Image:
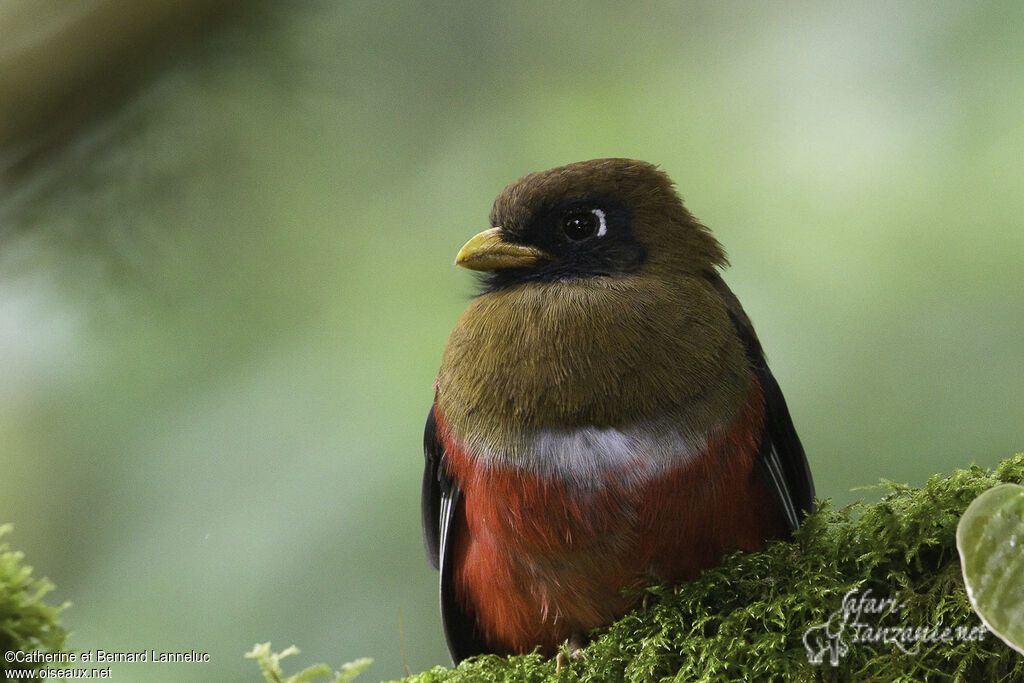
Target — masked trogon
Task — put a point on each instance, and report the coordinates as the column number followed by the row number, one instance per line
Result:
column 603, row 414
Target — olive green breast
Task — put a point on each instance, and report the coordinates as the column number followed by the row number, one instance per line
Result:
column 601, row 352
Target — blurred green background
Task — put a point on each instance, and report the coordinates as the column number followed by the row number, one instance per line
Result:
column 226, row 244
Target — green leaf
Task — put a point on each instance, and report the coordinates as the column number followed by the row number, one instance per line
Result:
column 990, row 538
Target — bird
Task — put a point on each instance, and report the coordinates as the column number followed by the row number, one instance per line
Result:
column 603, row 415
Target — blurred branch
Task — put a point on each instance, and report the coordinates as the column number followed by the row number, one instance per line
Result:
column 63, row 64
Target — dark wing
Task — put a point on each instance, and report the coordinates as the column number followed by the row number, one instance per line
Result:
column 439, row 505
column 781, row 460
column 430, row 501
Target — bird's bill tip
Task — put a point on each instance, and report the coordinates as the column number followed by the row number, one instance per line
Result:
column 489, row 250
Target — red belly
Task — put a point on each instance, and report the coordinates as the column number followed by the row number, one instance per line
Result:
column 536, row 560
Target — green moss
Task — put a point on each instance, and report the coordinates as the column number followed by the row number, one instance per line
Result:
column 270, row 666
column 746, row 619
column 27, row 623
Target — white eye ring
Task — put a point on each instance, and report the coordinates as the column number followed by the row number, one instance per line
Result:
column 603, row 229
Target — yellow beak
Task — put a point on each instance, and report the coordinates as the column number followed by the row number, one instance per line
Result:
column 488, row 251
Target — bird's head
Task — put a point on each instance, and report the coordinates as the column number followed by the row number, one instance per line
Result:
column 598, row 218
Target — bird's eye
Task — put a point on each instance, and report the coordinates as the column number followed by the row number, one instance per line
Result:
column 579, row 225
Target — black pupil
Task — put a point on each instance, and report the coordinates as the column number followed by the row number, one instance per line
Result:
column 579, row 226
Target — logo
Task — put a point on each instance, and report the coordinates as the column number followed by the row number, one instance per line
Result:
column 860, row 620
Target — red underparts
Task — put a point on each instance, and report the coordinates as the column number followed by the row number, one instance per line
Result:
column 537, row 561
